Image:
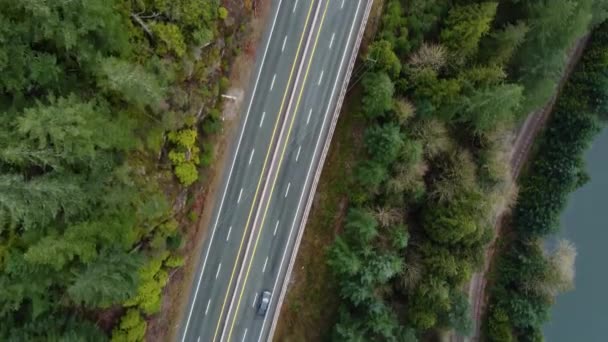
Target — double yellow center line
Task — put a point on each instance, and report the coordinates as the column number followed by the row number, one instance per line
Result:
column 278, row 171
column 217, row 328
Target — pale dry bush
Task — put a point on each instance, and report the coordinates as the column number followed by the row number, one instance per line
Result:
column 434, row 137
column 562, row 261
column 404, row 110
column 412, row 275
column 497, row 167
column 387, row 216
column 559, row 276
column 408, row 178
column 429, row 55
column 458, row 172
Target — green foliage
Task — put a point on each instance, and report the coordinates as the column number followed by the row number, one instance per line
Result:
column 456, row 220
column 394, row 28
column 170, row 39
column 424, row 17
column 108, row 280
column 465, row 25
column 51, row 328
column 539, row 61
column 361, row 269
column 383, row 58
column 435, row 96
column 370, row 175
column 501, row 45
column 130, row 82
column 383, row 143
column 222, row 13
column 88, row 89
column 379, row 90
column 47, row 39
column 132, row 328
column 185, row 156
column 152, row 280
column 486, row 108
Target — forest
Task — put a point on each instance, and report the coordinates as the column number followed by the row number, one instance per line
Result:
column 527, row 276
column 446, row 84
column 105, row 109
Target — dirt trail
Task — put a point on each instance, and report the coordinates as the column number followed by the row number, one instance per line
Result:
column 519, row 155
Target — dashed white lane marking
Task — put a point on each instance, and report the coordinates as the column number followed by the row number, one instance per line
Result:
column 244, row 335
column 298, row 154
column 331, row 42
column 342, row 6
column 255, row 299
column 287, row 191
column 321, row 77
column 206, row 310
column 251, row 156
column 265, row 263
column 284, row 41
column 228, row 236
column 217, row 273
column 276, row 226
column 240, row 195
column 294, row 7
column 309, row 114
column 262, row 120
column 274, row 78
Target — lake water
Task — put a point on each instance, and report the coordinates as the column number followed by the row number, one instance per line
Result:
column 582, row 314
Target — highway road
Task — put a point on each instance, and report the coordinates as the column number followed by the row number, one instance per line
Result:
column 299, row 76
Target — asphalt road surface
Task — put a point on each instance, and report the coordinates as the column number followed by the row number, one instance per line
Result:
column 285, row 124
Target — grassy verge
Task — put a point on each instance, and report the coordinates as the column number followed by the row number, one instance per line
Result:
column 311, row 304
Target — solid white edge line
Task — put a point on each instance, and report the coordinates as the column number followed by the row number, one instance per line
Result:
column 274, row 158
column 308, row 174
column 200, row 278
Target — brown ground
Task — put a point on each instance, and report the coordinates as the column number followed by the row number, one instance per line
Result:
column 522, row 150
column 164, row 326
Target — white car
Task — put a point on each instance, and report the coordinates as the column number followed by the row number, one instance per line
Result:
column 264, row 303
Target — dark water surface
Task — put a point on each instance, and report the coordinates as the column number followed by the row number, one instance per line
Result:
column 582, row 314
